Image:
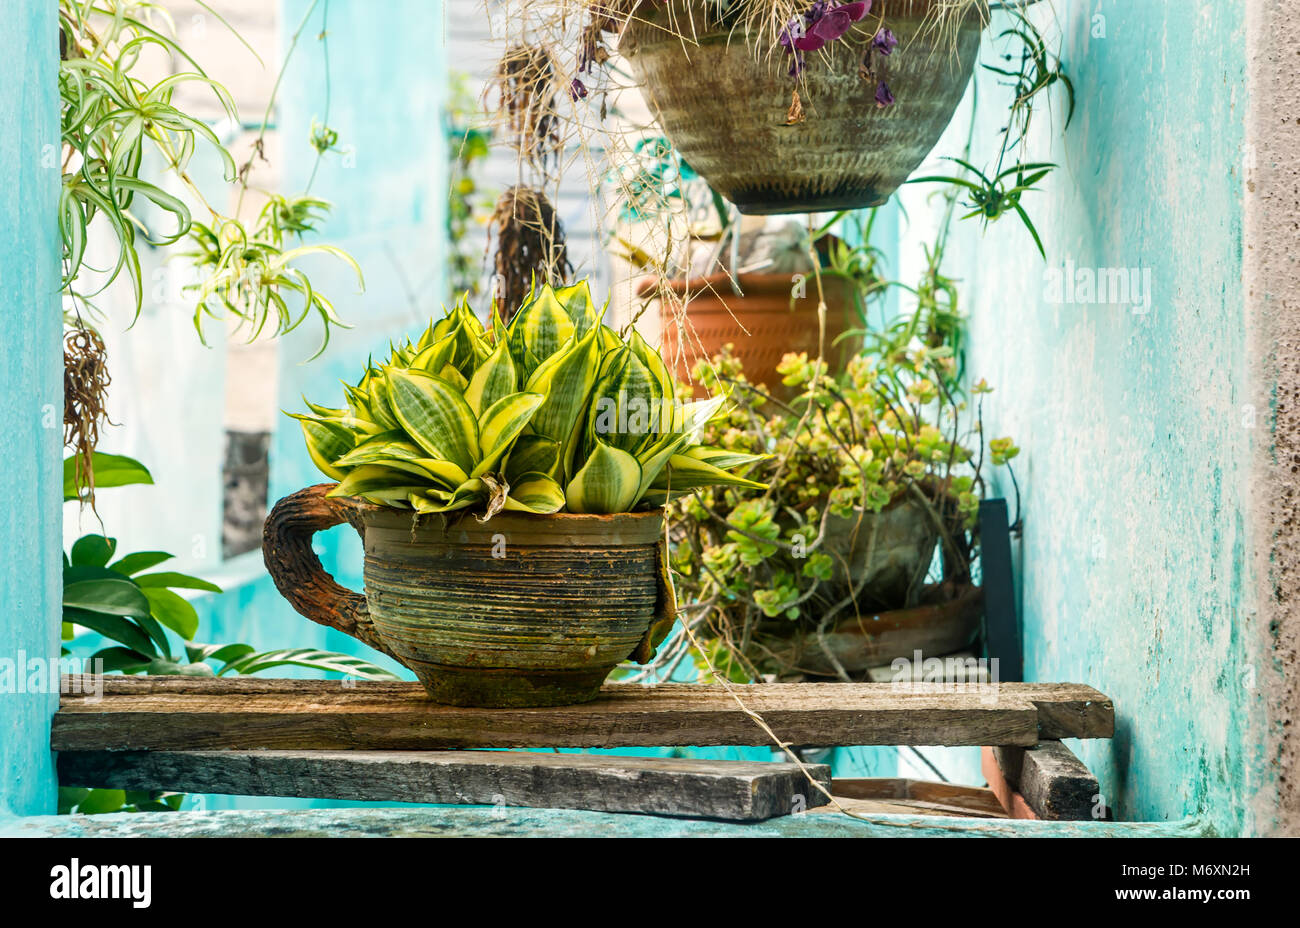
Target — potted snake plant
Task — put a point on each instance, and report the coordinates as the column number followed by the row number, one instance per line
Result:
column 508, row 482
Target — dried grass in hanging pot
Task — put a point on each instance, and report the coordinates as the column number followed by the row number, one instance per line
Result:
column 530, row 244
column 85, row 389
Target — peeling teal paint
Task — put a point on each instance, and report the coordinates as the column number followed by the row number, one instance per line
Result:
column 31, row 393
column 1134, row 565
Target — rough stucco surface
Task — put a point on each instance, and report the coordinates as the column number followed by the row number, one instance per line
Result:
column 481, row 822
column 31, row 391
column 1135, row 563
column 1272, row 275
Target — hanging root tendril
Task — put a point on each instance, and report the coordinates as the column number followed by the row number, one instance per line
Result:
column 85, row 389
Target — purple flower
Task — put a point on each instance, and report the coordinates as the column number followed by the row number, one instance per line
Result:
column 577, row 89
column 884, row 42
column 820, row 23
column 884, row 96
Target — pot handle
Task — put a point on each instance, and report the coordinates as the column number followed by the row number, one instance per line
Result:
column 297, row 572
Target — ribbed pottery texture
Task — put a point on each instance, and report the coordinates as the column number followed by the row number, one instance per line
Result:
column 773, row 323
column 723, row 103
column 521, row 611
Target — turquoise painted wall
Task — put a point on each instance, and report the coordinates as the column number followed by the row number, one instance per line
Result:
column 381, row 89
column 1134, row 565
column 31, row 397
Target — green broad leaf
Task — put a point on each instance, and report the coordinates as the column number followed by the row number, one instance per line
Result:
column 543, row 325
column 358, row 398
column 374, row 480
column 608, row 482
column 425, row 470
column 437, row 494
column 173, row 610
column 109, row 596
column 426, row 340
column 123, row 660
column 113, row 627
column 532, row 454
column 102, row 802
column 86, row 572
column 691, row 418
column 327, row 441
column 138, row 561
column 496, row 377
column 111, row 470
column 218, row 652
column 566, row 380
column 311, row 658
column 436, row 355
column 326, row 412
column 379, row 408
column 608, row 339
column 501, row 424
column 435, row 414
column 656, row 457
column 453, row 376
column 472, row 492
column 69, row 797
column 626, row 408
column 535, row 493
column 92, row 551
column 173, row 580
column 722, row 458
column 654, row 363
column 576, row 300
column 686, row 473
column 382, row 449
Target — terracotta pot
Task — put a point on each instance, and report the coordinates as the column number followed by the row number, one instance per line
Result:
column 723, row 103
column 774, row 322
column 872, row 640
column 524, row 610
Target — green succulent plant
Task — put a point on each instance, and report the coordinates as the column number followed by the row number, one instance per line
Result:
column 554, row 412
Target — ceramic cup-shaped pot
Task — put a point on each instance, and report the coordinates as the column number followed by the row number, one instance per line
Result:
column 721, row 94
column 523, row 610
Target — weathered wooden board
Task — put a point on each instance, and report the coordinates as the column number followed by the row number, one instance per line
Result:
column 735, row 791
column 1055, row 783
column 898, row 796
column 973, row 800
column 180, row 713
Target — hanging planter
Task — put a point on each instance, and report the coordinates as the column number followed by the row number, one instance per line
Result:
column 524, row 610
column 844, row 131
column 508, row 483
column 762, row 324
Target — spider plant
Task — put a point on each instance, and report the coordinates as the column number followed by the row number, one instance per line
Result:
column 115, row 125
column 991, row 198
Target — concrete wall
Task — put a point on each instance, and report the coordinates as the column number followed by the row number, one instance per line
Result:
column 1146, row 536
column 31, row 399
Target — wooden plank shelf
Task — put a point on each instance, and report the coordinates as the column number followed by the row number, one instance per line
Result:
column 193, row 713
column 736, row 791
column 899, row 796
column 1046, row 781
